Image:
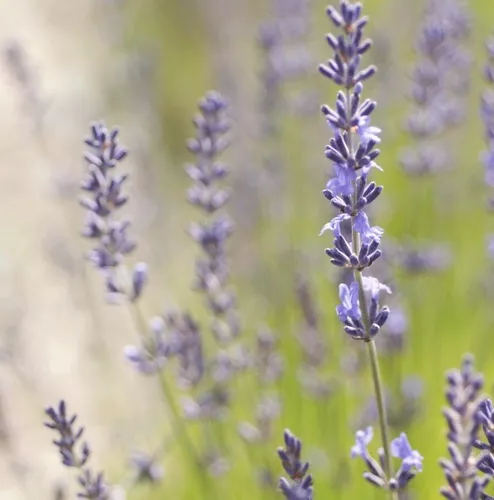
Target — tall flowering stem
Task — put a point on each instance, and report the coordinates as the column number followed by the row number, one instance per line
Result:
column 207, row 193
column 300, row 487
column 352, row 153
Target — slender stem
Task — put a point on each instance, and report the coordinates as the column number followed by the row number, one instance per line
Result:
column 383, row 423
column 178, row 426
column 371, row 345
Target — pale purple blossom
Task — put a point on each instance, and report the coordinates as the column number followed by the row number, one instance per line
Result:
column 401, row 448
column 362, row 439
column 349, row 307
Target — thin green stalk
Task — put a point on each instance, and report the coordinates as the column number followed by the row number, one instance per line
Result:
column 371, row 345
column 178, row 426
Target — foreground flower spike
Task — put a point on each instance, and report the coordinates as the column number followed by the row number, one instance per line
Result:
column 464, row 416
column 207, row 172
column 104, row 196
column 352, row 152
column 411, row 461
column 290, row 456
column 74, row 453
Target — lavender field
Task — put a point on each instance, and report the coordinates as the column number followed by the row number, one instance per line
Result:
column 246, row 249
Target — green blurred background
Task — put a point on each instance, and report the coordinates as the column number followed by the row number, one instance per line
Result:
column 143, row 64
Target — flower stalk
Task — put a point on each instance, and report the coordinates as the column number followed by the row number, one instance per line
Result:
column 352, row 152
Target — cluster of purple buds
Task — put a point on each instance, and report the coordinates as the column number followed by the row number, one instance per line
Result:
column 173, row 336
column 286, row 58
column 411, row 461
column 301, row 486
column 212, row 270
column 342, row 255
column 350, row 314
column 485, row 416
column 74, row 453
column 104, row 197
column 352, row 152
column 464, row 417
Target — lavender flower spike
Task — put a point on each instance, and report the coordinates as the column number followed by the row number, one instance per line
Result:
column 104, row 197
column 352, row 152
column 464, row 417
column 290, row 456
column 212, row 273
column 93, row 485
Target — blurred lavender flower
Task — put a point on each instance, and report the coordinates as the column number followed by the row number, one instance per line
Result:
column 267, row 360
column 104, row 198
column 151, row 356
column 487, row 114
column 439, row 81
column 75, row 454
column 393, row 336
column 285, row 57
column 212, row 270
column 290, row 456
column 146, row 468
column 286, row 61
column 464, row 418
column 415, row 259
column 212, row 273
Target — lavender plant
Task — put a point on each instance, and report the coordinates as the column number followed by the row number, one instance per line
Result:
column 177, row 334
column 440, row 77
column 352, row 153
column 285, row 57
column 440, row 81
column 464, row 417
column 104, row 198
column 207, row 194
column 75, row 454
column 301, row 486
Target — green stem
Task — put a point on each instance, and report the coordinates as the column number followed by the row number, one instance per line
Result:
column 179, row 428
column 376, row 374
column 383, row 423
column 371, row 345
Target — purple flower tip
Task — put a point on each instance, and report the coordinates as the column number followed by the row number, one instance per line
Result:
column 401, row 448
column 362, row 439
